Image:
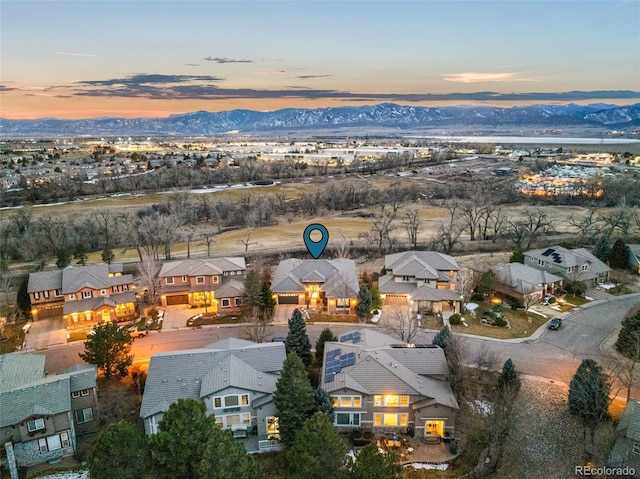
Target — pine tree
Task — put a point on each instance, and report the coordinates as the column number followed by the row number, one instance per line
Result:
column 80, row 253
column 370, row 463
column 251, row 293
column 325, row 335
column 318, row 451
column 323, row 403
column 121, row 451
column 619, row 256
column 589, row 395
column 364, row 303
column 109, row 347
column 509, row 377
column 297, row 340
column 602, row 250
column 267, row 303
column 629, row 336
column 22, row 298
column 517, row 256
column 442, row 337
column 179, row 446
column 107, row 255
column 293, row 397
column 225, row 458
column 63, row 258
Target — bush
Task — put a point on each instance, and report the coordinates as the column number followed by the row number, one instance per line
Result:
column 455, row 319
column 498, row 321
column 552, row 300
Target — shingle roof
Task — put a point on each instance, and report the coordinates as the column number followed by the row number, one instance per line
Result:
column 427, row 293
column 338, row 276
column 94, row 276
column 199, row 372
column 202, row 267
column 424, row 262
column 629, row 425
column 19, row 369
column 230, row 289
column 523, row 278
column 567, row 258
column 45, row 281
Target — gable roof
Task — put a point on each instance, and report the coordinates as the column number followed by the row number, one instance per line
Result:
column 563, row 257
column 338, row 277
column 198, row 373
column 421, row 264
column 45, row 281
column 94, row 276
column 19, row 369
column 523, row 278
column 202, row 267
column 629, row 425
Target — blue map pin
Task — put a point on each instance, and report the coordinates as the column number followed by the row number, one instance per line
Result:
column 315, row 248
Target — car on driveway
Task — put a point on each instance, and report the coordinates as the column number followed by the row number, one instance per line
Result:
column 555, row 323
column 134, row 332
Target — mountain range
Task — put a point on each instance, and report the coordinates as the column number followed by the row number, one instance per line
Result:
column 387, row 116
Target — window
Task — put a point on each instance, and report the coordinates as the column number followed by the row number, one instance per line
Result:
column 35, row 425
column 584, row 267
column 342, row 302
column 153, row 424
column 58, row 293
column 380, row 419
column 84, row 415
column 346, row 401
column 87, row 294
column 215, row 279
column 347, row 419
column 72, row 295
column 540, row 262
column 199, row 279
column 36, row 295
column 406, row 278
column 103, row 292
column 390, row 400
column 184, row 279
column 46, row 295
column 229, row 420
column 85, row 392
column 571, row 269
column 636, row 447
column 114, row 289
column 53, row 443
column 273, row 427
column 169, row 280
column 238, row 301
column 233, row 400
column 225, row 303
column 125, row 287
column 75, row 394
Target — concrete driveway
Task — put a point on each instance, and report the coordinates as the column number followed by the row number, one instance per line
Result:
column 45, row 333
column 283, row 312
column 176, row 316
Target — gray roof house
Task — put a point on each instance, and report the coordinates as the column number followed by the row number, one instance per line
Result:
column 378, row 384
column 42, row 415
column 216, row 283
column 634, row 257
column 330, row 284
column 426, row 279
column 571, row 264
column 626, row 449
column 522, row 282
column 235, row 378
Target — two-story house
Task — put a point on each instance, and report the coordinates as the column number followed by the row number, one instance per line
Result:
column 83, row 295
column 426, row 280
column 575, row 265
column 329, row 284
column 41, row 416
column 235, row 378
column 215, row 283
column 380, row 385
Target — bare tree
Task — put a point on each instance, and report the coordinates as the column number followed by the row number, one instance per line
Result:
column 531, row 224
column 530, row 296
column 624, row 369
column 450, row 231
column 247, row 241
column 208, row 237
column 404, row 324
column 149, row 272
column 342, row 249
column 486, row 359
column 382, row 226
column 411, row 221
column 587, row 227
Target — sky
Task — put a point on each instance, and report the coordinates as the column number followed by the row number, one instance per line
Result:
column 82, row 59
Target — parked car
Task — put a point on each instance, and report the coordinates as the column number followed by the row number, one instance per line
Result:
column 278, row 339
column 134, row 332
column 555, row 323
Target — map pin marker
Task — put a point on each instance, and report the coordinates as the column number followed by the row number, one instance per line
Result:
column 315, row 248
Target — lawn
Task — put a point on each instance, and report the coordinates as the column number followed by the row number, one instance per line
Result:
column 575, row 300
column 77, row 335
column 332, row 318
column 207, row 319
column 522, row 326
column 13, row 337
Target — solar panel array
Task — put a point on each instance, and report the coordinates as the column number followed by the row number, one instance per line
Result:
column 353, row 337
column 555, row 256
column 335, row 363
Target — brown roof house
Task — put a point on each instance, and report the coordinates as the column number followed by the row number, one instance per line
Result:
column 83, row 295
column 236, row 380
column 214, row 283
column 425, row 279
column 380, row 385
column 329, row 284
column 41, row 416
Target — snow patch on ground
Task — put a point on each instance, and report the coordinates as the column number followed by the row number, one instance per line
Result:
column 68, row 475
column 537, row 312
column 482, row 407
column 420, row 465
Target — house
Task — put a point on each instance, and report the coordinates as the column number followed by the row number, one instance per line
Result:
column 83, row 295
column 427, row 280
column 386, row 387
column 575, row 265
column 525, row 284
column 235, row 378
column 330, row 284
column 215, row 283
column 42, row 415
column 626, row 448
column 634, row 257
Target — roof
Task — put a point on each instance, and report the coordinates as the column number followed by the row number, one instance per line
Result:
column 199, row 373
column 45, row 281
column 523, row 278
column 421, row 264
column 94, row 276
column 634, row 249
column 202, row 267
column 629, row 425
column 423, row 292
column 230, row 289
column 564, row 258
column 19, row 369
column 338, row 277
column 379, row 365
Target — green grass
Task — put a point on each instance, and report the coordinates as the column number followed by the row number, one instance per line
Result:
column 208, row 319
column 575, row 300
column 13, row 337
column 522, row 325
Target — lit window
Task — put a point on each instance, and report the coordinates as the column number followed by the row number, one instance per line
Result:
column 377, row 419
column 84, row 415
column 404, row 418
column 377, row 400
column 334, row 401
column 390, row 419
column 273, row 427
column 390, row 400
column 199, row 279
column 35, row 425
column 245, row 399
column 169, row 280
column 404, row 400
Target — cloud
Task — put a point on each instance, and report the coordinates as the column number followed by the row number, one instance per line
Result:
column 306, row 77
column 272, row 72
column 5, row 88
column 475, row 77
column 149, row 79
column 192, row 64
column 74, row 54
column 226, row 60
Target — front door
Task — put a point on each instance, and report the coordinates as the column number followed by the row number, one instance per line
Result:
column 106, row 317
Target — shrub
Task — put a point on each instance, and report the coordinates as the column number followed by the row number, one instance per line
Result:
column 552, row 300
column 455, row 319
column 500, row 322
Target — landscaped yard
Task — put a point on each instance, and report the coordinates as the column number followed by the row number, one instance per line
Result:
column 13, row 337
column 207, row 319
column 575, row 300
column 332, row 318
column 522, row 325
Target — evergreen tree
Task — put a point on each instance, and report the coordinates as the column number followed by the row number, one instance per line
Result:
column 364, row 303
column 376, row 298
column 267, row 303
column 325, row 335
column 251, row 293
column 323, row 403
column 619, row 256
column 107, row 255
column 517, row 256
column 297, row 340
column 485, row 283
column 602, row 250
column 318, row 451
column 293, row 397
column 370, row 463
column 179, row 446
column 63, row 258
column 22, row 298
column 80, row 253
column 109, row 347
column 225, row 458
column 629, row 336
column 509, row 377
column 442, row 337
column 120, row 452
column 589, row 395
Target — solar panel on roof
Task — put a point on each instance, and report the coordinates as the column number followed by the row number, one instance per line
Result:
column 356, row 337
column 346, row 337
column 328, row 378
column 548, row 252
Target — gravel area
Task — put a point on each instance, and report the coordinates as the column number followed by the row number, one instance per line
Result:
column 545, row 441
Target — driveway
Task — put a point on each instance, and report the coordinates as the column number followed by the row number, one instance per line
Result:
column 283, row 312
column 45, row 333
column 176, row 316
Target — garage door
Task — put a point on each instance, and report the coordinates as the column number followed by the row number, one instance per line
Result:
column 287, row 299
column 50, row 312
column 178, row 299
